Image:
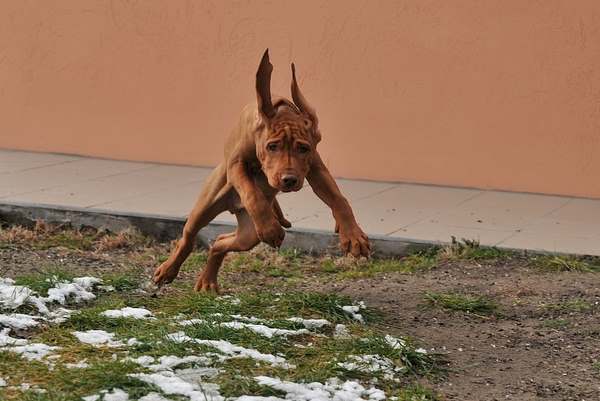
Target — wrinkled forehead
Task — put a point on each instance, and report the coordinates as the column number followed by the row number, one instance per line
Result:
column 290, row 126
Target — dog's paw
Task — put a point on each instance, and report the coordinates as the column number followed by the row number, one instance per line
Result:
column 206, row 284
column 164, row 274
column 271, row 234
column 284, row 222
column 354, row 241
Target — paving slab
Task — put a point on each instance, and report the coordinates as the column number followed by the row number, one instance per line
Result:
column 396, row 215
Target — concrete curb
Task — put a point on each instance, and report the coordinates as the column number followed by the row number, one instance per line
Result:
column 166, row 228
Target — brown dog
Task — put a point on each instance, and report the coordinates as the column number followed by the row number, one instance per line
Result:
column 273, row 148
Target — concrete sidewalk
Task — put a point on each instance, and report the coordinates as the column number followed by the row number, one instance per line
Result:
column 392, row 211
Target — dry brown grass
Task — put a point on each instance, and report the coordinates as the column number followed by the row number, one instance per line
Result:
column 44, row 235
column 20, row 234
column 123, row 240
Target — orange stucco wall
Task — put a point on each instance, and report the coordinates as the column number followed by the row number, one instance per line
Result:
column 492, row 94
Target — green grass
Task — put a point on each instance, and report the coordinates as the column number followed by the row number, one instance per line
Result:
column 233, row 382
column 67, row 384
column 244, row 262
column 45, row 236
column 577, row 305
column 416, row 392
column 285, row 262
column 279, row 272
column 122, row 281
column 562, row 263
column 42, row 281
column 466, row 249
column 316, row 356
column 461, row 302
column 195, row 262
column 556, row 324
column 292, row 257
column 417, row 262
column 70, row 239
column 328, row 266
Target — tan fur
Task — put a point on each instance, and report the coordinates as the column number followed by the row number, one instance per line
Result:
column 271, row 149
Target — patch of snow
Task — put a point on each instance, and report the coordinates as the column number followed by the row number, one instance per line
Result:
column 231, row 350
column 6, row 340
column 169, row 362
column 40, row 304
column 12, row 296
column 191, row 322
column 371, row 364
column 353, row 311
column 194, row 375
column 231, row 299
column 18, row 321
column 61, row 291
column 153, row 397
column 2, row 382
column 94, row 397
column 97, row 338
column 116, row 395
column 341, row 331
column 263, row 330
column 87, row 282
column 59, row 315
column 106, row 288
column 250, row 319
column 171, row 384
column 395, row 342
column 144, row 360
column 310, row 323
column 100, row 338
column 128, row 312
column 34, row 351
column 79, row 365
column 333, row 390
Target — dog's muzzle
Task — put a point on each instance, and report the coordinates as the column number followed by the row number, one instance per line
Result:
column 289, row 182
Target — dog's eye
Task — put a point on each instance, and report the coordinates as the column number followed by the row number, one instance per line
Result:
column 272, row 147
column 303, row 149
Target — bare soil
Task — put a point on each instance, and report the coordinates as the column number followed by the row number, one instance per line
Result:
column 543, row 343
column 518, row 355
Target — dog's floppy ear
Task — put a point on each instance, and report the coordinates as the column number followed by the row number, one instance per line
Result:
column 300, row 101
column 263, row 87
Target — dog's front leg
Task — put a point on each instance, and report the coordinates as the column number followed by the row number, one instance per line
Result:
column 256, row 203
column 352, row 239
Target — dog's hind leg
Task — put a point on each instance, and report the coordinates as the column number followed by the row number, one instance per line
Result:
column 243, row 239
column 213, row 200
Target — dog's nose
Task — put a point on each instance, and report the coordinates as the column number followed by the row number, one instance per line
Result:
column 289, row 180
